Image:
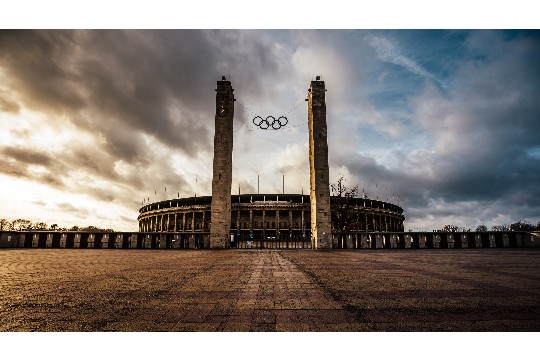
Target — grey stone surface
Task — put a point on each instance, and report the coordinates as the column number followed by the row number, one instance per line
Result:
column 321, row 230
column 222, row 166
column 251, row 290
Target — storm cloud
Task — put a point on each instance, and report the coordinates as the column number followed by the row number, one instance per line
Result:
column 445, row 123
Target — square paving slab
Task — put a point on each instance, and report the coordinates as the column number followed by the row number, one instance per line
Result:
column 269, row 290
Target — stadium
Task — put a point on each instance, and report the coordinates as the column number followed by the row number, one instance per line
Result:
column 260, row 220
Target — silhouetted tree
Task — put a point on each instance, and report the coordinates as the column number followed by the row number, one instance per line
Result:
column 481, row 228
column 40, row 226
column 521, row 226
column 450, row 228
column 342, row 204
column 21, row 225
column 501, row 228
column 5, row 225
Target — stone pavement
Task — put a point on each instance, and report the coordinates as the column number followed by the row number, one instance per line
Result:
column 269, row 290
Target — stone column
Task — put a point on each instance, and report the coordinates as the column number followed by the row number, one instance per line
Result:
column 321, row 229
column 203, row 226
column 175, row 222
column 222, row 169
column 290, row 221
column 263, row 227
column 302, row 225
column 278, row 230
column 184, row 222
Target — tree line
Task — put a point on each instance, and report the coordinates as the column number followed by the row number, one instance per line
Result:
column 342, row 205
column 26, row 225
column 523, row 226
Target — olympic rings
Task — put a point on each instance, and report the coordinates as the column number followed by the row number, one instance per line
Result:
column 274, row 123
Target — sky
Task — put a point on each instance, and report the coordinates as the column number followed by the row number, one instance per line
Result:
column 96, row 123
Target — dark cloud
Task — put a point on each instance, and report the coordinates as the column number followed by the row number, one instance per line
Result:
column 71, row 209
column 29, row 156
column 467, row 149
column 7, row 104
column 123, row 84
column 447, row 120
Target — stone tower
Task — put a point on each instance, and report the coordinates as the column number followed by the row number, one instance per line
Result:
column 222, row 178
column 321, row 230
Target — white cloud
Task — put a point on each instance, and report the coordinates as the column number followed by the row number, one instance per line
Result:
column 388, row 51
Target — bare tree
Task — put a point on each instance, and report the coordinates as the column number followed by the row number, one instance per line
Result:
column 21, row 224
column 40, row 226
column 450, row 228
column 481, row 228
column 342, row 206
column 5, row 225
column 521, row 226
column 501, row 228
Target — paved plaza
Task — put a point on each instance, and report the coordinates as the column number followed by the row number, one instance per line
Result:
column 269, row 290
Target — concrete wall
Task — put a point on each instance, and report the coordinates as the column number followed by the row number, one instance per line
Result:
column 352, row 240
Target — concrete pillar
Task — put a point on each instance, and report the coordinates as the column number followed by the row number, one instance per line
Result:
column 263, row 227
column 506, row 240
column 437, row 241
column 222, row 166
column 147, row 241
column 408, row 240
column 350, row 241
column 162, row 243
column 133, row 241
column 422, row 241
column 478, row 240
column 464, row 241
column 290, row 221
column 492, row 243
column 364, row 241
column 118, row 240
column 449, row 240
column 393, row 241
column 184, row 221
column 48, row 243
column 321, row 228
column 277, row 228
column 77, row 241
column 378, row 241
column 22, row 239
column 176, row 241
column 302, row 226
column 175, row 229
column 519, row 239
column 89, row 240
column 102, row 240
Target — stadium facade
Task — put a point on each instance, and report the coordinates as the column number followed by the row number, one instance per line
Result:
column 268, row 218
